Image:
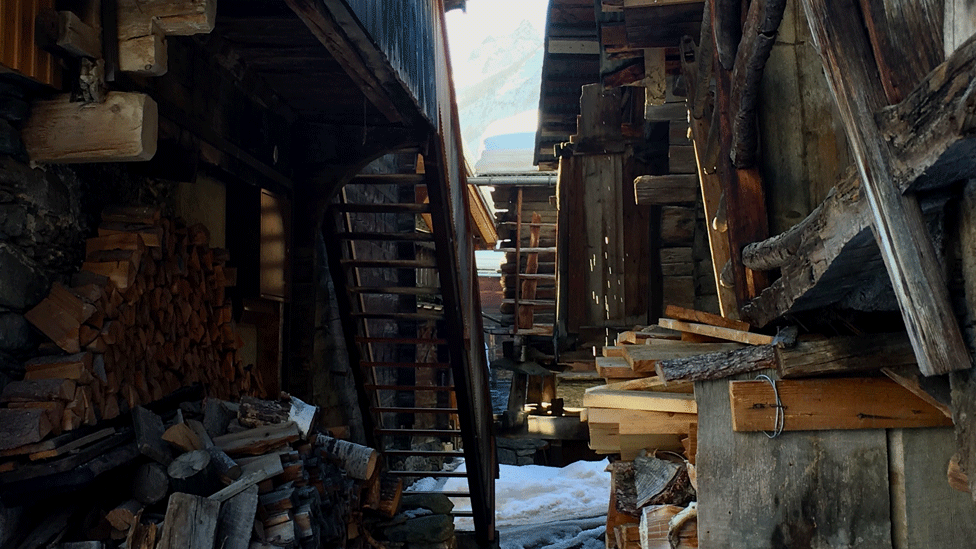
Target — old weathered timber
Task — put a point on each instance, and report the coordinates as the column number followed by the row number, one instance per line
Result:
column 908, row 252
column 191, row 521
column 839, row 355
column 758, row 37
column 932, row 132
column 833, row 477
column 717, row 365
column 666, row 189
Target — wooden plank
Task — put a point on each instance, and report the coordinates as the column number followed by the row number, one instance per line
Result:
column 67, row 440
column 640, row 422
column 711, row 191
column 61, row 449
column 261, row 469
column 901, row 231
column 599, row 397
column 614, row 368
column 716, row 332
column 925, row 510
column 121, row 129
column 903, row 63
column 191, row 521
column 830, row 474
column 691, row 315
column 258, row 440
column 823, row 404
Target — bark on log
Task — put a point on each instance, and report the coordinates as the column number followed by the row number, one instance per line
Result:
column 717, row 365
column 150, row 483
column 193, row 473
column 762, row 21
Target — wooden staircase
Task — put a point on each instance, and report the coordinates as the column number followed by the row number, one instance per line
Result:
column 409, row 365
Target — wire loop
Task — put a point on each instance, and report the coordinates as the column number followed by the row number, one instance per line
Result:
column 780, row 417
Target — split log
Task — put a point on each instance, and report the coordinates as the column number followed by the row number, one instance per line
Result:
column 124, row 516
column 21, row 427
column 236, row 519
column 149, row 431
column 227, row 469
column 77, row 367
column 652, row 476
column 193, row 473
column 150, row 484
column 60, row 131
column 38, row 390
column 259, row 470
column 183, row 438
column 259, row 440
column 142, row 536
column 190, row 521
column 717, row 365
column 358, row 461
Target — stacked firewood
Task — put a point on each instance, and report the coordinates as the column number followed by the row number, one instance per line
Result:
column 146, row 315
column 252, row 474
column 652, row 503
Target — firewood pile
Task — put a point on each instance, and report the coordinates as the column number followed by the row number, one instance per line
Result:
column 253, row 474
column 652, row 503
column 146, row 315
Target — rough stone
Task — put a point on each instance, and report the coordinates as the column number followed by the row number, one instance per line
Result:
column 426, row 529
column 15, row 333
column 507, row 457
column 520, row 445
column 525, row 461
column 13, row 220
column 24, row 284
column 44, row 189
column 10, row 142
column 438, row 503
column 14, row 110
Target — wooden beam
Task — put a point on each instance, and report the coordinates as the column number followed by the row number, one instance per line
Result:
column 901, row 231
column 652, row 190
column 691, row 315
column 600, row 397
column 930, row 132
column 122, row 129
column 844, row 355
column 638, row 422
column 144, row 24
column 340, row 32
column 825, row 404
column 716, row 332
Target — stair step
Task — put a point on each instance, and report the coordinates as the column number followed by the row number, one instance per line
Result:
column 527, row 224
column 389, row 263
column 388, row 179
column 448, row 493
column 446, row 474
column 534, row 276
column 402, row 410
column 425, row 453
column 396, row 237
column 401, row 340
column 399, row 316
column 395, row 208
column 396, row 290
column 543, row 303
column 441, row 365
column 462, row 513
column 418, row 432
column 438, row 388
column 527, row 250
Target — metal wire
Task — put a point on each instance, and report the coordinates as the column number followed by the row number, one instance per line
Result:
column 780, row 416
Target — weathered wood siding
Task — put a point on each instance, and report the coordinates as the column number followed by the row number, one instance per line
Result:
column 407, row 32
column 18, row 49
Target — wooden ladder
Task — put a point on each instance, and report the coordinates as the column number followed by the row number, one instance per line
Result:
column 385, row 259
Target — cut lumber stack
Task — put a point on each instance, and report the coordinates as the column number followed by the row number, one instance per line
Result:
column 145, row 316
column 640, row 409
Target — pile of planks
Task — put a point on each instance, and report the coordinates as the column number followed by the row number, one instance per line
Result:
column 652, row 503
column 146, row 315
column 254, row 474
column 641, row 409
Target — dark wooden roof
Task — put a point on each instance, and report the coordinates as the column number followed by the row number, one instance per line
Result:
column 570, row 26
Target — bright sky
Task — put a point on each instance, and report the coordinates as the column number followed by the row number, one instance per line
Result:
column 484, row 18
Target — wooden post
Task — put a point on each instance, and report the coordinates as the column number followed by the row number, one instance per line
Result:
column 908, row 253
